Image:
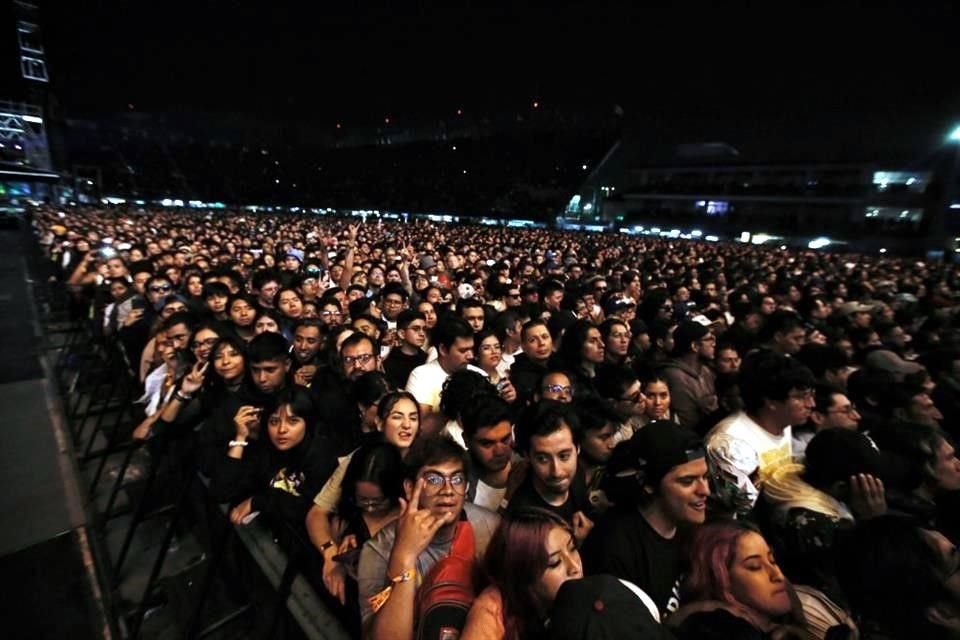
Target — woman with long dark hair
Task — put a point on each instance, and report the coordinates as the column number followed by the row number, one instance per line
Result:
column 370, row 500
column 581, row 352
column 532, row 552
column 280, row 471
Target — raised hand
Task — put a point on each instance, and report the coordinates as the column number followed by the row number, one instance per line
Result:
column 194, row 380
column 416, row 527
column 246, row 418
column 867, row 496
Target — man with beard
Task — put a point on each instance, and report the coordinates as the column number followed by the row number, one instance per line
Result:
column 307, row 341
column 333, row 390
column 549, row 437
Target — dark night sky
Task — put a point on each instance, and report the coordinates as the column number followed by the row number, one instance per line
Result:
column 853, row 76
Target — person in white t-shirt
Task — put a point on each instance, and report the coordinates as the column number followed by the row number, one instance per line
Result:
column 453, row 338
column 777, row 392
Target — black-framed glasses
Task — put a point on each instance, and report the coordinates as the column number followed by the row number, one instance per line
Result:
column 209, row 342
column 433, row 482
column 158, row 288
column 360, row 359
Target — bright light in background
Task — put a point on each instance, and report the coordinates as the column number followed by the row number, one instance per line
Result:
column 711, row 238
column 954, row 135
column 745, row 236
column 696, row 233
column 819, row 243
column 761, row 238
column 584, row 167
column 882, row 250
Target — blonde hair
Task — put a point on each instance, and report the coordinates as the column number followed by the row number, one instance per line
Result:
column 785, row 489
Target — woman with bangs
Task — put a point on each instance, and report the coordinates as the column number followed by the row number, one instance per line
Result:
column 277, row 472
column 531, row 554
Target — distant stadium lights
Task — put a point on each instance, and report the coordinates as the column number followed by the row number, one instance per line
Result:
column 818, row 243
column 338, row 125
column 954, row 135
column 386, row 120
column 883, row 250
column 536, row 104
column 459, row 112
column 584, row 167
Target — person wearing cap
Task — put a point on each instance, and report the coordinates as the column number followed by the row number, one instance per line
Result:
column 693, row 393
column 603, row 607
column 292, row 260
column 857, row 314
column 777, row 392
column 660, row 483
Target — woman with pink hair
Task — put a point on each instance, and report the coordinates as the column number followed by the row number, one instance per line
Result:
column 530, row 555
column 735, row 589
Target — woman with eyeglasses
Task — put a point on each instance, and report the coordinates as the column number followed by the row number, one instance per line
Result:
column 398, row 422
column 370, row 500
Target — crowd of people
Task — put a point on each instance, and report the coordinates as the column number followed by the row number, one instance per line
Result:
column 518, row 433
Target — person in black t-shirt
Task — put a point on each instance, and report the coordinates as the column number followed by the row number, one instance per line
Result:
column 409, row 354
column 548, row 434
column 660, row 483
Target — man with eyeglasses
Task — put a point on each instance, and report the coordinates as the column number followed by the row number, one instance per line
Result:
column 556, row 385
column 832, row 410
column 333, row 390
column 692, row 383
column 402, row 360
column 777, row 392
column 393, row 301
column 436, row 520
